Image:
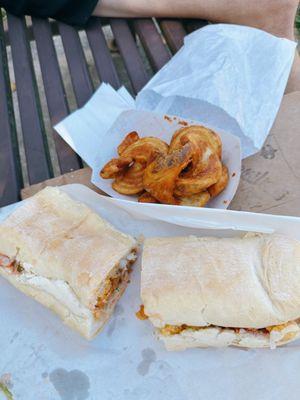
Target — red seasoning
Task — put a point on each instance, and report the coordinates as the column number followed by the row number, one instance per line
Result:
column 183, row 123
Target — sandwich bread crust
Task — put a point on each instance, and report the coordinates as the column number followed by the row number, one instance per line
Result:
column 66, row 254
column 251, row 282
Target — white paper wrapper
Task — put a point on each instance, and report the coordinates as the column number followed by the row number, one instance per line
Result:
column 48, row 361
column 84, row 129
column 228, row 76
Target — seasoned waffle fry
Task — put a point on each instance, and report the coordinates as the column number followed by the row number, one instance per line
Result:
column 145, row 149
column 115, row 166
column 135, row 155
column 147, row 198
column 130, row 182
column 218, row 187
column 196, row 200
column 187, row 172
column 204, row 171
column 196, row 134
column 127, row 141
column 160, row 176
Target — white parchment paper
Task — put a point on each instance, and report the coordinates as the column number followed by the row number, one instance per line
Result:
column 228, row 75
column 48, row 361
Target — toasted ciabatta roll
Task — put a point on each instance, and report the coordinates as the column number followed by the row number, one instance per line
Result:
column 201, row 292
column 66, row 257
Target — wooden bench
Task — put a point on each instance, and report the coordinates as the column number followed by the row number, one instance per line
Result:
column 158, row 39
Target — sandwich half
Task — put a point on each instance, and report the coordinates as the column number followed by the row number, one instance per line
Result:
column 66, row 257
column 201, row 292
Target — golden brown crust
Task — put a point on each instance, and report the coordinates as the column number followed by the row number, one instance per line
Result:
column 134, row 155
column 221, row 184
column 147, row 198
column 196, row 200
column 196, row 133
column 160, row 176
column 179, row 174
column 129, row 139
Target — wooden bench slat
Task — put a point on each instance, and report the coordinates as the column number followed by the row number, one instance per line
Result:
column 54, row 90
column 37, row 157
column 152, row 42
column 10, row 173
column 102, row 57
column 80, row 76
column 174, row 33
column 130, row 54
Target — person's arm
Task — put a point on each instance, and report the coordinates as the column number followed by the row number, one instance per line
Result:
column 274, row 16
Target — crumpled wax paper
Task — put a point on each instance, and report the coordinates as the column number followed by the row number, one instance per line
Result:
column 227, row 74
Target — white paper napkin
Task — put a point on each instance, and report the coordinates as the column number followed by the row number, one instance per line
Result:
column 228, row 76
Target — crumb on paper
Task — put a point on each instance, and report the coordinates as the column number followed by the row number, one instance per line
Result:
column 140, row 314
column 167, row 118
column 233, row 174
column 225, row 201
column 5, row 383
column 6, row 379
column 174, row 118
column 140, row 239
column 183, row 123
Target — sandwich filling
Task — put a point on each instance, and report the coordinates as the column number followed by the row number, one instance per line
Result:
column 115, row 284
column 271, row 331
column 11, row 264
column 170, row 330
column 111, row 291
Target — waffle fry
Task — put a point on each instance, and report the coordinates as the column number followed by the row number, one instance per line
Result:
column 204, row 171
column 196, row 200
column 114, row 167
column 135, row 154
column 131, row 181
column 147, row 198
column 219, row 186
column 187, row 172
column 196, row 134
column 160, row 176
column 129, row 139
